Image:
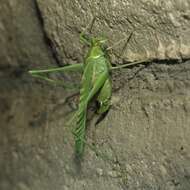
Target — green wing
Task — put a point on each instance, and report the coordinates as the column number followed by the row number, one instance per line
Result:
column 79, row 132
column 88, row 91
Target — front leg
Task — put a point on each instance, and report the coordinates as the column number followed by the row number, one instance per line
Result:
column 84, row 38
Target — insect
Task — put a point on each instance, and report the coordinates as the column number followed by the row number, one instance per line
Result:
column 96, row 82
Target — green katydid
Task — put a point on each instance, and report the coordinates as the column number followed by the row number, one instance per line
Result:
column 96, row 80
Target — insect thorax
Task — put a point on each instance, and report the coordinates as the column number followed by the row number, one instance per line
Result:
column 96, row 52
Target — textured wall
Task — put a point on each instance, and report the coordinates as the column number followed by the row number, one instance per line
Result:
column 143, row 142
column 161, row 27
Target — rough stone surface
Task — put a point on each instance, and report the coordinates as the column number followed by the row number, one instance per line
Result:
column 162, row 28
column 143, row 142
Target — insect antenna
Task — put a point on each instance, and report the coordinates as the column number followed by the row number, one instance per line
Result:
column 125, row 45
column 91, row 24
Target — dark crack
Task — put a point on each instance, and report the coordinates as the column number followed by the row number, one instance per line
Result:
column 47, row 40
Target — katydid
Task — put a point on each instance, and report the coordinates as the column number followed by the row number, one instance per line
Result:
column 96, row 80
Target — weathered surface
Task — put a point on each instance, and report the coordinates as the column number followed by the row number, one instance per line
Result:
column 162, row 28
column 143, row 143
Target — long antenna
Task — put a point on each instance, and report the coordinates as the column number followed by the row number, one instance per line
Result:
column 117, row 43
column 89, row 26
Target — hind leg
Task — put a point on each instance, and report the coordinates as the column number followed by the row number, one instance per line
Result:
column 42, row 74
